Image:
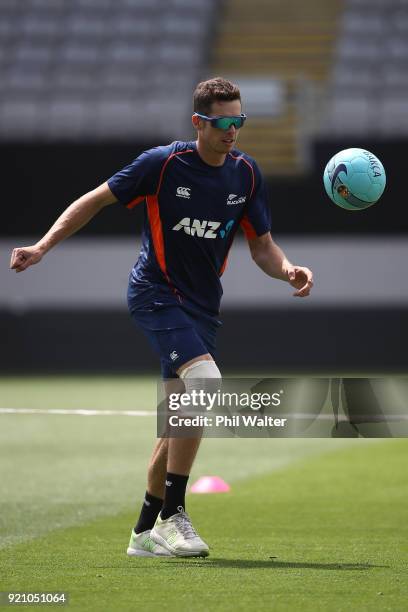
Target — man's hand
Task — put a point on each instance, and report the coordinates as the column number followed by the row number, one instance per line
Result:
column 301, row 279
column 23, row 257
column 273, row 261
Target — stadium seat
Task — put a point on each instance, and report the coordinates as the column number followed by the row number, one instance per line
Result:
column 370, row 69
column 88, row 50
column 393, row 117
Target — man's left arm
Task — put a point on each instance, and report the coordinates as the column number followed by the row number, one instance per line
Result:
column 273, row 261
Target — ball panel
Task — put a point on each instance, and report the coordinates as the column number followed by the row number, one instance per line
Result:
column 360, row 164
column 360, row 185
column 348, row 154
column 375, row 192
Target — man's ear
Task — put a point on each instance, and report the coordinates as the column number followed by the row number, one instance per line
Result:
column 196, row 121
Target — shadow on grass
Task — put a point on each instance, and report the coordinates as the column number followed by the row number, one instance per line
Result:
column 272, row 564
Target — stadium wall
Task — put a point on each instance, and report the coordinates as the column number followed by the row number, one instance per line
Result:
column 41, row 179
column 260, row 341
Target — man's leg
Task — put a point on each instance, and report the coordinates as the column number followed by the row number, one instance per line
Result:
column 174, row 455
column 172, row 331
column 173, row 529
column 140, row 544
column 156, row 471
column 183, row 456
column 156, row 476
column 182, row 451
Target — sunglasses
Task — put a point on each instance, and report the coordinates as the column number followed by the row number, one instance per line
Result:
column 224, row 123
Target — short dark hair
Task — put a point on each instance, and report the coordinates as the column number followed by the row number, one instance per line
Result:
column 214, row 90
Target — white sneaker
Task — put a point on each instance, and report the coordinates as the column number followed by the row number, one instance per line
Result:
column 141, row 545
column 177, row 535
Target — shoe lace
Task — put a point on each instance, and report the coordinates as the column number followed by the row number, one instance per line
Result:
column 184, row 525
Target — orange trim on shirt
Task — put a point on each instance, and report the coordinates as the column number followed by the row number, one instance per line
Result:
column 157, row 231
column 165, row 164
column 245, row 222
column 137, row 200
column 224, row 265
column 251, row 168
column 153, row 213
column 248, row 228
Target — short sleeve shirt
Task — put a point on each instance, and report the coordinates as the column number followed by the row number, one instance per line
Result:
column 192, row 213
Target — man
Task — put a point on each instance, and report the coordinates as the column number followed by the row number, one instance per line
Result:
column 196, row 195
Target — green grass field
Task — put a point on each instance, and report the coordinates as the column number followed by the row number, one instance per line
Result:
column 309, row 524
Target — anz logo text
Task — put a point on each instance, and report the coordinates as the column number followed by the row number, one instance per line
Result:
column 203, row 229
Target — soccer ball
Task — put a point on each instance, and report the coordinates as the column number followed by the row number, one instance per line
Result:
column 354, row 179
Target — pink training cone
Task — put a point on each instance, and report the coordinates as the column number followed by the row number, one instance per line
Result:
column 210, row 484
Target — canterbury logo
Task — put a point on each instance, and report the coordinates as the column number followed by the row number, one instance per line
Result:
column 203, row 229
column 183, row 192
column 231, row 201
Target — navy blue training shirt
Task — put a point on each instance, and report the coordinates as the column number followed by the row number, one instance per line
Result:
column 192, row 212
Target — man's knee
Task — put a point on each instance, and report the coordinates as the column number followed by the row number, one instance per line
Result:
column 200, row 379
column 201, row 376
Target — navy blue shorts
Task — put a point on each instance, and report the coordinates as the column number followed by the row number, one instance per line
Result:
column 176, row 331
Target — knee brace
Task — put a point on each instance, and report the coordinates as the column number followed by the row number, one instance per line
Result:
column 200, row 369
column 202, row 376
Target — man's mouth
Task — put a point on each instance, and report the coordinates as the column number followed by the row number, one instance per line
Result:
column 228, row 140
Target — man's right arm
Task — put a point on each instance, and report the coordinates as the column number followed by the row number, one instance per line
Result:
column 78, row 214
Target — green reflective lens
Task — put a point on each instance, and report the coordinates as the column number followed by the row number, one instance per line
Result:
column 224, row 123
